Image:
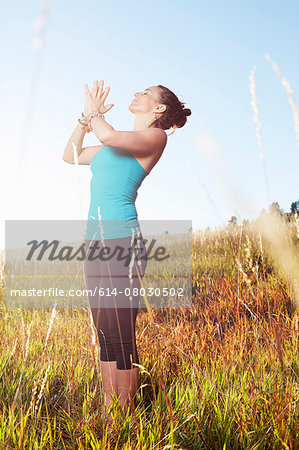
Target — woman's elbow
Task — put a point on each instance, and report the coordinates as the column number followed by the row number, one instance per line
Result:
column 107, row 139
column 66, row 160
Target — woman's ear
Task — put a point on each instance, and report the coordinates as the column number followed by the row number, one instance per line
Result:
column 161, row 108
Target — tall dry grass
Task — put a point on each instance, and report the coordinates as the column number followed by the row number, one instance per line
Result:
column 223, row 372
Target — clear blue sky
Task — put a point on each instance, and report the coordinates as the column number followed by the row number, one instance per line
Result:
column 203, row 51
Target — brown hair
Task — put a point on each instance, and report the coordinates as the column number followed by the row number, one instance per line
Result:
column 175, row 114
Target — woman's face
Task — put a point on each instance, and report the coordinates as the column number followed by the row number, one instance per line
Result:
column 145, row 101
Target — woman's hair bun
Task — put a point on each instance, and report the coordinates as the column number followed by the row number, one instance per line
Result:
column 187, row 111
column 175, row 114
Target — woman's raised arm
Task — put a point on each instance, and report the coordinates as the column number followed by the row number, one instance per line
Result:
column 76, row 138
column 145, row 142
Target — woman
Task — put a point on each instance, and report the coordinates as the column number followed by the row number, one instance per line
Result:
column 119, row 166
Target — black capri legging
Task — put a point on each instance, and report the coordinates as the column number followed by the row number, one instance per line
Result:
column 114, row 312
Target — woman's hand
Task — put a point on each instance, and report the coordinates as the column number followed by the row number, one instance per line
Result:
column 94, row 100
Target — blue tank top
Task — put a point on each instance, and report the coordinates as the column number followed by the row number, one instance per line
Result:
column 116, row 177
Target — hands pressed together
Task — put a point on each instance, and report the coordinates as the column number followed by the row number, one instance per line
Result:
column 94, row 100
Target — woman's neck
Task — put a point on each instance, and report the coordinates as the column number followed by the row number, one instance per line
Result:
column 141, row 122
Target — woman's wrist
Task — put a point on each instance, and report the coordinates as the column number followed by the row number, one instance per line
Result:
column 92, row 114
column 85, row 120
column 83, row 126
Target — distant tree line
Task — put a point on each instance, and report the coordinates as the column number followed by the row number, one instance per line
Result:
column 273, row 209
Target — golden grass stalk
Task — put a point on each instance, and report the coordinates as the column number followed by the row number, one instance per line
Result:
column 77, row 176
column 42, row 387
column 101, row 226
column 34, row 392
column 247, row 250
column 252, row 89
column 240, row 268
column 28, row 339
column 256, row 119
column 53, row 314
column 14, row 349
column 93, row 335
column 286, row 85
column 23, row 330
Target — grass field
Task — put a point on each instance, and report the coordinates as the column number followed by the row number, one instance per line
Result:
column 221, row 374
